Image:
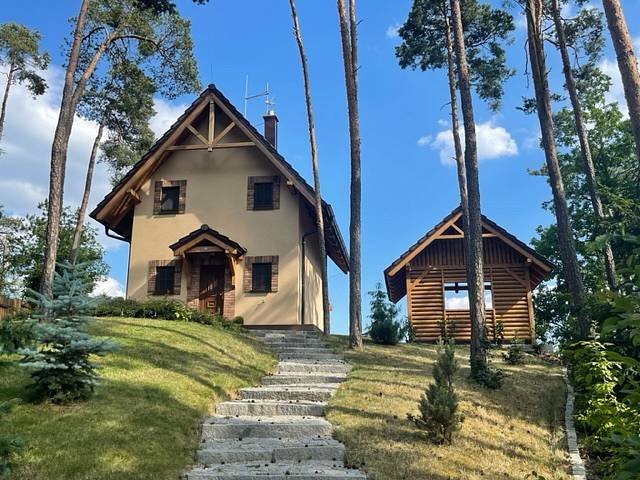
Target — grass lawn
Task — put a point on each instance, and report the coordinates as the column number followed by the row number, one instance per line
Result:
column 506, row 434
column 143, row 421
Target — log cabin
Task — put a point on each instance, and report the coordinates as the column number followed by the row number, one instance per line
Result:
column 431, row 273
column 217, row 218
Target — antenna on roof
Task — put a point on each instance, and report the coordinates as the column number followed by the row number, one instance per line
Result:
column 248, row 97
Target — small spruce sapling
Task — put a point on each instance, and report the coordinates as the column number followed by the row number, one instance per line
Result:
column 10, row 446
column 515, row 352
column 385, row 327
column 439, row 403
column 60, row 361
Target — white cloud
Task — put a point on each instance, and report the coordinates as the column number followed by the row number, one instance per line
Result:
column 636, row 45
column 493, row 142
column 392, row 31
column 165, row 116
column 616, row 91
column 109, row 287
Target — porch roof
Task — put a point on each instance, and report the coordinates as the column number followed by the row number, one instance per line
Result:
column 193, row 239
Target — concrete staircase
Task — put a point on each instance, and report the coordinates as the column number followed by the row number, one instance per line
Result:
column 277, row 430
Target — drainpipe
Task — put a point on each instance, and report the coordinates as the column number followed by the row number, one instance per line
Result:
column 304, row 273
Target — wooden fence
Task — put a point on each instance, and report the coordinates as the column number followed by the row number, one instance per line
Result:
column 9, row 306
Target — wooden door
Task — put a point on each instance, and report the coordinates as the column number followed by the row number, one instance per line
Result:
column 212, row 288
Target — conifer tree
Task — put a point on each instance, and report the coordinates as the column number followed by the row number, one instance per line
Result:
column 62, row 369
column 9, row 445
column 439, row 403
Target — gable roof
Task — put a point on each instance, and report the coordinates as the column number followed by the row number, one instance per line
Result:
column 395, row 274
column 213, row 236
column 115, row 210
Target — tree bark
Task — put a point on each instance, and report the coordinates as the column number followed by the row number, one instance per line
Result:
column 627, row 63
column 566, row 240
column 455, row 126
column 77, row 234
column 59, row 155
column 474, row 266
column 585, row 148
column 326, row 308
column 348, row 36
column 4, row 99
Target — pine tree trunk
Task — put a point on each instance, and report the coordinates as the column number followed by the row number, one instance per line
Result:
column 585, row 149
column 627, row 63
column 455, row 126
column 349, row 55
column 326, row 309
column 77, row 234
column 3, row 112
column 566, row 240
column 474, row 260
column 59, row 155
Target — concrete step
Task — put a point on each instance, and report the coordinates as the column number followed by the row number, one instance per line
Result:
column 216, row 452
column 287, row 392
column 305, row 378
column 307, row 350
column 303, row 354
column 313, row 366
column 294, row 343
column 276, row 471
column 264, row 427
column 271, row 408
column 275, row 334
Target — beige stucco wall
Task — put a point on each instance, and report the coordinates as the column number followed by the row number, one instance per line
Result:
column 313, row 280
column 216, row 195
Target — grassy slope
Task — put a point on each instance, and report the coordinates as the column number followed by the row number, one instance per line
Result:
column 143, row 421
column 506, row 434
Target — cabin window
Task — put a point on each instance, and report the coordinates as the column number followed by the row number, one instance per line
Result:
column 261, row 277
column 170, row 198
column 261, row 274
column 456, row 296
column 263, row 193
column 165, row 283
column 263, row 196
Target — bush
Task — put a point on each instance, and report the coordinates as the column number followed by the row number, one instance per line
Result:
column 439, row 404
column 9, row 445
column 384, row 328
column 16, row 332
column 487, row 376
column 62, row 371
column 498, row 333
column 515, row 353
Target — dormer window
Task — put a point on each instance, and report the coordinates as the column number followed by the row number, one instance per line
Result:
column 169, row 199
column 263, row 193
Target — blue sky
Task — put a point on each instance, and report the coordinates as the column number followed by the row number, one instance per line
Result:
column 408, row 185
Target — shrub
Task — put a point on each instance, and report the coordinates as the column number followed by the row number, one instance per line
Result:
column 9, row 445
column 384, row 328
column 16, row 332
column 515, row 353
column 487, row 376
column 439, row 404
column 498, row 333
column 60, row 362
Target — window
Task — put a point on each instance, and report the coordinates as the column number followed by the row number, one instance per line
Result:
column 170, row 199
column 165, row 278
column 261, row 277
column 456, row 296
column 263, row 196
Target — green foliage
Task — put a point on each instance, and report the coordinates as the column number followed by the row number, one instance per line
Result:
column 160, row 308
column 16, row 332
column 60, row 363
column 486, row 29
column 515, row 353
column 486, row 375
column 25, row 259
column 498, row 333
column 385, row 327
column 439, row 404
column 20, row 53
column 9, row 445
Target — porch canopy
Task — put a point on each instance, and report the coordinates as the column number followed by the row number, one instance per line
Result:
column 207, row 240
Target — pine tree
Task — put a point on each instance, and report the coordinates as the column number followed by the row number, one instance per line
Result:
column 439, row 403
column 385, row 327
column 62, row 370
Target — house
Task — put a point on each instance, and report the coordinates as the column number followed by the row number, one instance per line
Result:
column 432, row 275
column 217, row 218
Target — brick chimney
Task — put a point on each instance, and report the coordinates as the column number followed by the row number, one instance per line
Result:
column 271, row 128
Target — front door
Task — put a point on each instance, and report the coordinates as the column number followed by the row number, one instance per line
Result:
column 212, row 288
